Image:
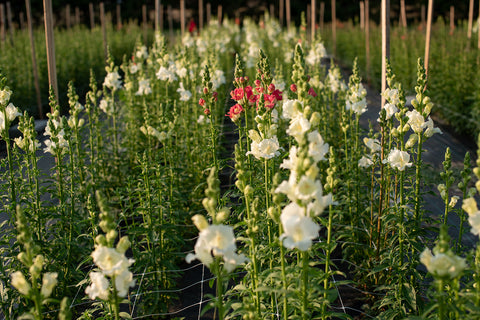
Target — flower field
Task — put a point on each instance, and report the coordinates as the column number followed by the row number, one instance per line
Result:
column 238, row 152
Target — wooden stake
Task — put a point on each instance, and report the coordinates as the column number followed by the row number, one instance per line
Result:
column 314, row 13
column 157, row 15
column 77, row 15
column 281, row 9
column 403, row 14
column 50, row 45
column 2, row 23
column 452, row 19
column 219, row 14
column 92, row 15
column 429, row 30
column 182, row 17
column 470, row 20
column 308, row 16
column 362, row 15
column 287, row 7
column 200, row 15
column 170, row 21
column 478, row 31
column 68, row 23
column 10, row 24
column 334, row 27
column 34, row 58
column 145, row 24
column 385, row 20
column 22, row 20
column 367, row 39
column 272, row 10
column 103, row 23
column 209, row 12
column 119, row 17
column 322, row 14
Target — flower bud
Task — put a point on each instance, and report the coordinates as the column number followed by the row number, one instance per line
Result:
column 411, row 141
column 101, row 240
column 37, row 266
column 223, row 214
column 111, row 235
column 315, row 119
column 200, row 222
column 123, row 244
column 20, row 283
column 49, row 282
column 248, row 190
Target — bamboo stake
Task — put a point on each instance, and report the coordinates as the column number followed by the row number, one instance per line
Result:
column 119, row 17
column 157, row 15
column 429, row 30
column 34, row 58
column 322, row 14
column 50, row 45
column 219, row 14
column 2, row 23
column 209, row 12
column 281, row 10
column 478, row 31
column 92, row 16
column 362, row 15
column 170, row 21
column 10, row 24
column 313, row 19
column 470, row 20
column 67, row 16
column 104, row 29
column 403, row 14
column 367, row 39
column 200, row 15
column 182, row 17
column 385, row 43
column 452, row 19
column 334, row 27
column 22, row 20
column 287, row 7
column 145, row 24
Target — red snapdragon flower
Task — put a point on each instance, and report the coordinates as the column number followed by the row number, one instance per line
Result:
column 293, row 87
column 235, row 112
column 237, row 94
column 312, row 92
column 201, row 102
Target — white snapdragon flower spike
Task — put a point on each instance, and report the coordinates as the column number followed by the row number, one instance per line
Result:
column 430, row 129
column 317, row 148
column 22, row 144
column 106, row 106
column 134, row 68
column 142, row 53
column 19, row 282
column 416, row 121
column 165, row 74
column 112, row 81
column 398, row 159
column 470, row 206
column 291, row 162
column 216, row 240
column 315, row 54
column 265, row 149
column 365, row 162
column 289, row 187
column 306, row 189
column 299, row 229
column 320, row 203
column 124, row 281
column 356, row 99
column 372, row 144
column 110, row 261
column 12, row 112
column 289, row 110
column 185, row 95
column 392, row 96
column 298, row 127
column 390, row 110
column 49, row 281
column 359, row 107
column 98, row 287
column 143, row 87
column 5, row 96
column 442, row 264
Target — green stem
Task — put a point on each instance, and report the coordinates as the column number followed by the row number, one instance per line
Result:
column 305, row 261
column 418, row 165
column 327, row 260
column 220, row 306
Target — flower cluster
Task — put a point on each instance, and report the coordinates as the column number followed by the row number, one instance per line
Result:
column 216, row 240
column 374, row 146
